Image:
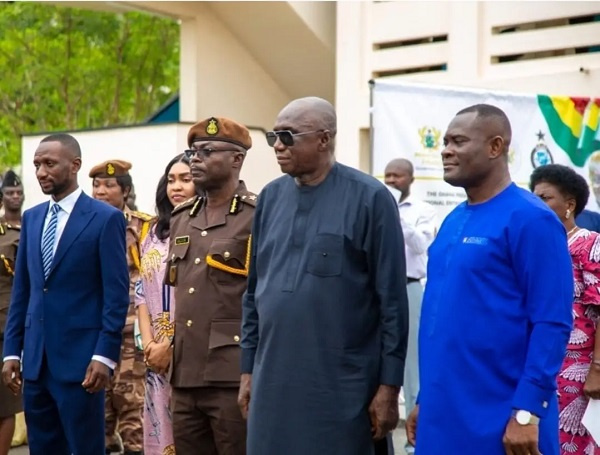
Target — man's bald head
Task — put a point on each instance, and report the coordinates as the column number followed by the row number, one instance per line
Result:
column 476, row 146
column 305, row 139
column 399, row 174
column 318, row 112
column 401, row 164
column 68, row 143
column 493, row 120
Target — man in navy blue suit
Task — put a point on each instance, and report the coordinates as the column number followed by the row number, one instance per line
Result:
column 68, row 307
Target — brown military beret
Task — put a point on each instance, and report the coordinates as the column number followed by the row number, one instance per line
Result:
column 220, row 129
column 110, row 168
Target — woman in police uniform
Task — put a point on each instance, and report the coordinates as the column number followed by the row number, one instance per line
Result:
column 10, row 404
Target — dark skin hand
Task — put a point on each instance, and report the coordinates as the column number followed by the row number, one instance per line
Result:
column 96, row 377
column 158, row 356
column 591, row 388
column 383, row 411
column 11, row 375
column 521, row 439
column 244, row 394
column 411, row 426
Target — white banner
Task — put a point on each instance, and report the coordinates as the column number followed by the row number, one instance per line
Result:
column 409, row 121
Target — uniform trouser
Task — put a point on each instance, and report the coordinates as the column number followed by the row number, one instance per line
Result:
column 411, row 369
column 124, row 402
column 208, row 421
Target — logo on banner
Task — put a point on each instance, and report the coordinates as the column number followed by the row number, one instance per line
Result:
column 540, row 155
column 430, row 138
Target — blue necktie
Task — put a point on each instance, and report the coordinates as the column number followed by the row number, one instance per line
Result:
column 48, row 240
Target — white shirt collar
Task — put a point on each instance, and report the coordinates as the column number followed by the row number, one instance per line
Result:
column 408, row 201
column 68, row 202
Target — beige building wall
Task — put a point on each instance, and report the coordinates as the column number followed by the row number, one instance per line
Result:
column 246, row 60
column 513, row 46
column 149, row 159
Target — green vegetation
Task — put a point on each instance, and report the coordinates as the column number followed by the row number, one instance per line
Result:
column 65, row 68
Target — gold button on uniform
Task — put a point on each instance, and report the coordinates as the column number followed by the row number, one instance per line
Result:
column 191, row 290
column 197, row 261
column 236, row 339
column 203, row 233
column 226, row 255
column 189, row 323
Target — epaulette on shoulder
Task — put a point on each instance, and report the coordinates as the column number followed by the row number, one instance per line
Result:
column 142, row 216
column 7, row 226
column 249, row 198
column 185, row 204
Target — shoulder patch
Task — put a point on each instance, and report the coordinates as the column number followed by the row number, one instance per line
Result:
column 185, row 204
column 249, row 198
column 142, row 215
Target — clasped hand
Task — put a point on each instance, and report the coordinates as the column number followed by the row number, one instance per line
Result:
column 157, row 355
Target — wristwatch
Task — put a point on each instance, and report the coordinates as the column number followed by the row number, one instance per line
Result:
column 525, row 417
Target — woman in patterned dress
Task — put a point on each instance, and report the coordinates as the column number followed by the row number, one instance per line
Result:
column 566, row 192
column 156, row 308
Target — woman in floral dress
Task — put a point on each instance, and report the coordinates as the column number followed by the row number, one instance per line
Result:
column 566, row 192
column 156, row 309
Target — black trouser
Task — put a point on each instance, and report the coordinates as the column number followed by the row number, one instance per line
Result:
column 385, row 446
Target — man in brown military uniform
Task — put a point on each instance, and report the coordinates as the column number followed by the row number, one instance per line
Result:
column 11, row 196
column 208, row 264
column 124, row 400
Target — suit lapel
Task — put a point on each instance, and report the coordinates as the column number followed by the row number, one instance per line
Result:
column 78, row 220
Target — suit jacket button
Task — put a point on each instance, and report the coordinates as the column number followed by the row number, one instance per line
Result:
column 189, row 323
column 191, row 290
column 204, row 233
column 236, row 339
column 197, row 261
column 226, row 255
column 45, row 289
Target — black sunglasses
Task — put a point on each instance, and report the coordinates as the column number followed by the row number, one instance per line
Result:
column 205, row 153
column 286, row 136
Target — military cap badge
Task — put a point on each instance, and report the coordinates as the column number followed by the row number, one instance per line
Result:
column 212, row 127
column 110, row 169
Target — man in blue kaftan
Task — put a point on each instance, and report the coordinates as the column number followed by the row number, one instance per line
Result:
column 496, row 313
column 325, row 323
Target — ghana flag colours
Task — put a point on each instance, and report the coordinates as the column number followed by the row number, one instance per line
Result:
column 573, row 124
column 410, row 119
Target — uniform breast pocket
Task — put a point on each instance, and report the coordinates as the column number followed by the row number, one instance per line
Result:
column 179, row 251
column 227, row 259
column 325, row 255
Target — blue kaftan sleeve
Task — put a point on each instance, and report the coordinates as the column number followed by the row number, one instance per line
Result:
column 544, row 273
column 387, row 266
column 249, row 340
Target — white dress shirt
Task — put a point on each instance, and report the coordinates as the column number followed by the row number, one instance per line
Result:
column 66, row 205
column 419, row 227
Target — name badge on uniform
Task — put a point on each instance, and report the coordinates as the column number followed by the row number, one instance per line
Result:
column 183, row 240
